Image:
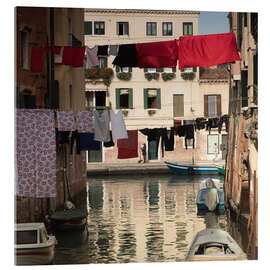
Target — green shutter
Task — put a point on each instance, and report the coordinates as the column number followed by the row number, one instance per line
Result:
column 117, row 68
column 194, row 69
column 130, row 69
column 145, row 69
column 145, row 97
column 255, row 69
column 158, row 99
column 130, row 98
column 159, row 69
column 174, row 70
column 117, row 98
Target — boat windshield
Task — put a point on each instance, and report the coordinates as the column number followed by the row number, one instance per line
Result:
column 26, row 237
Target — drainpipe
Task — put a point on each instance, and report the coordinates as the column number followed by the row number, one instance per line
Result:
column 51, row 89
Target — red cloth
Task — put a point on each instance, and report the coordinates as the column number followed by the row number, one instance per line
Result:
column 128, row 148
column 157, row 54
column 37, row 59
column 207, row 50
column 56, row 49
column 73, row 56
column 78, row 56
column 67, row 57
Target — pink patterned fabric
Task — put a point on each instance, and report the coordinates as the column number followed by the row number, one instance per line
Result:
column 65, row 121
column 85, row 122
column 35, row 153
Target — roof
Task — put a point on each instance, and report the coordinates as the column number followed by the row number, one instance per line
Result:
column 214, row 74
column 146, row 11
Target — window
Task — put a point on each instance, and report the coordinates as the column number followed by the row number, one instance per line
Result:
column 88, row 28
column 212, row 105
column 152, row 98
column 150, row 70
column 151, row 29
column 26, row 237
column 103, row 62
column 178, row 105
column 167, row 29
column 188, row 70
column 99, row 28
column 188, row 29
column 124, row 98
column 122, row 28
column 25, row 49
column 212, row 139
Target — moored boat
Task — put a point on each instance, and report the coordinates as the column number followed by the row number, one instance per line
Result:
column 214, row 245
column 69, row 220
column 192, row 169
column 32, row 244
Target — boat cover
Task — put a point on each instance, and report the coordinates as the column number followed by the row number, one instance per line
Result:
column 211, row 199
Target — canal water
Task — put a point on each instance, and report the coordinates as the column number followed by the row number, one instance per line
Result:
column 141, row 218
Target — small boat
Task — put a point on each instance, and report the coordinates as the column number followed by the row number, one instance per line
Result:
column 69, row 220
column 214, row 245
column 192, row 169
column 221, row 169
column 32, row 244
column 210, row 197
column 211, row 183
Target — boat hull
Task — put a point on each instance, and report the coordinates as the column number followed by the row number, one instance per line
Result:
column 192, row 169
column 34, row 256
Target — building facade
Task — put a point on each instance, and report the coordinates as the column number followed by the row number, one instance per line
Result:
column 152, row 98
column 241, row 164
column 57, row 87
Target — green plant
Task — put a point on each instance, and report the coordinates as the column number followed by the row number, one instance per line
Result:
column 188, row 76
column 167, row 76
column 151, row 112
column 125, row 76
column 99, row 73
column 151, row 76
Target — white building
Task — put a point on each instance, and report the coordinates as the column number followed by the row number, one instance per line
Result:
column 155, row 103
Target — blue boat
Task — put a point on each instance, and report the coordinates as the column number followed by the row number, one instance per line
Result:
column 192, row 169
column 217, row 203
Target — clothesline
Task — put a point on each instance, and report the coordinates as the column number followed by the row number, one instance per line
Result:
column 190, row 51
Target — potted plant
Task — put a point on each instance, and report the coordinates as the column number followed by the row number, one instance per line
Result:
column 151, row 112
column 167, row 76
column 188, row 76
column 125, row 76
column 150, row 76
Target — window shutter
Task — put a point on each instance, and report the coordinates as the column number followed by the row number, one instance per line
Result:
column 174, row 70
column 130, row 69
column 205, row 105
column 194, row 69
column 127, row 28
column 159, row 69
column 158, row 99
column 117, row 98
column 145, row 97
column 145, row 69
column 130, row 98
column 117, row 68
column 219, row 105
column 255, row 69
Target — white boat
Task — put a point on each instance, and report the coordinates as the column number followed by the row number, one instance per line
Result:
column 32, row 244
column 214, row 245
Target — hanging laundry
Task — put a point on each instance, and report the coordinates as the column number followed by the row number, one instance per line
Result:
column 78, row 56
column 207, row 50
column 87, row 142
column 73, row 56
column 85, row 121
column 169, row 141
column 67, row 58
column 189, row 134
column 126, row 56
column 102, row 50
column 35, row 153
column 113, row 50
column 200, row 123
column 223, row 119
column 212, row 123
column 92, row 58
column 119, row 130
column 56, row 49
column 128, row 148
column 109, row 143
column 157, row 54
column 65, row 120
column 181, row 131
column 101, row 126
column 37, row 59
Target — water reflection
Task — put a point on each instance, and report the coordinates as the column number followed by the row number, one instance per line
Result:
column 142, row 219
